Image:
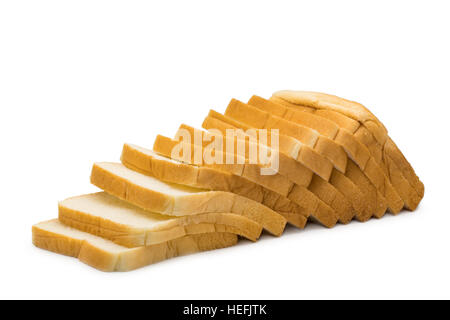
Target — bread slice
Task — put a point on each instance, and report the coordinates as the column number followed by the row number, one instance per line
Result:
column 360, row 122
column 173, row 171
column 154, row 195
column 342, row 138
column 287, row 166
column 105, row 255
column 108, row 217
column 297, row 194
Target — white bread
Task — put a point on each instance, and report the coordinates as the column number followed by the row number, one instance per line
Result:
column 300, row 195
column 169, row 170
column 111, row 218
column 107, row 256
column 366, row 128
column 154, row 195
column 336, row 162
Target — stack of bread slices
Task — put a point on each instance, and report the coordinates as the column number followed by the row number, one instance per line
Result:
column 336, row 163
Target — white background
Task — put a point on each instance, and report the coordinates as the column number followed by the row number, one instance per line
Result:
column 80, row 78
